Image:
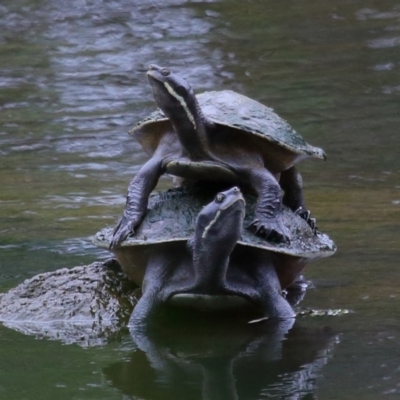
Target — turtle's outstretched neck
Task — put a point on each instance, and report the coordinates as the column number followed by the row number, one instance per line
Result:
column 192, row 136
column 218, row 228
column 203, row 127
column 210, row 266
column 178, row 102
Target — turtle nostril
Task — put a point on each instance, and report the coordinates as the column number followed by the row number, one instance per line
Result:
column 151, row 66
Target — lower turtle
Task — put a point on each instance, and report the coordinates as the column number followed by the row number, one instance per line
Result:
column 191, row 251
column 220, row 136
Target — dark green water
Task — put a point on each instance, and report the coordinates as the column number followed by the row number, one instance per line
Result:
column 71, row 83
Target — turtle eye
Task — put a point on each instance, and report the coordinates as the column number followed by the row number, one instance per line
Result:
column 219, row 198
column 165, row 72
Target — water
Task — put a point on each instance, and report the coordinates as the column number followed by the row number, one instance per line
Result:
column 72, row 81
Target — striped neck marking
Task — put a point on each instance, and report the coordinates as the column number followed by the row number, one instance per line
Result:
column 207, row 228
column 183, row 103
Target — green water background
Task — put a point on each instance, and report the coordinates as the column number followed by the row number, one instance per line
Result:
column 72, row 81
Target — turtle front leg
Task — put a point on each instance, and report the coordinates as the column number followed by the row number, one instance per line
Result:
column 268, row 213
column 137, row 199
column 265, row 292
column 156, row 289
column 292, row 185
column 268, row 293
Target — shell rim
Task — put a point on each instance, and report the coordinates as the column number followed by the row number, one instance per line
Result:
column 329, row 249
column 308, row 149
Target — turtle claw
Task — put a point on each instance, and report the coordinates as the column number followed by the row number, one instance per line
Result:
column 313, row 224
column 121, row 232
column 305, row 214
column 271, row 230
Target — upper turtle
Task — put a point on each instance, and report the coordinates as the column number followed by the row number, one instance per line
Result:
column 219, row 136
column 244, row 116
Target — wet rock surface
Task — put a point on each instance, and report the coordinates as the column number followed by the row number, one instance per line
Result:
column 85, row 304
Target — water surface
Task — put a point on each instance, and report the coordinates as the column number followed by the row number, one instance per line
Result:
column 72, row 81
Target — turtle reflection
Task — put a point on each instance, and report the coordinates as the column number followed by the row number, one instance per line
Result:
column 217, row 359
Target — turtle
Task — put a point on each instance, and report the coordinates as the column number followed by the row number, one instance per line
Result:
column 191, row 251
column 218, row 136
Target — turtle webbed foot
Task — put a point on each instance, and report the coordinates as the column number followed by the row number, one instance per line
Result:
column 305, row 214
column 124, row 229
column 271, row 229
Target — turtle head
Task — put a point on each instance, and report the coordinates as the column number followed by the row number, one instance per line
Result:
column 173, row 95
column 219, row 224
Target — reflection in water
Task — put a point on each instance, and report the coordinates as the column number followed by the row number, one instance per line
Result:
column 214, row 359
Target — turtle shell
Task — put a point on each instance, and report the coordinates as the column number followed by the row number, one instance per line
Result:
column 241, row 115
column 172, row 214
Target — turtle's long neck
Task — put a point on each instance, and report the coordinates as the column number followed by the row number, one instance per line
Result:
column 192, row 128
column 210, row 263
column 218, row 228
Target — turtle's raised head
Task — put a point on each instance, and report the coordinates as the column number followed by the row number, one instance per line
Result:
column 220, row 222
column 175, row 97
column 172, row 93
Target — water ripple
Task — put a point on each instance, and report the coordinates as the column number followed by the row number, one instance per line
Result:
column 75, row 246
column 372, row 13
column 94, row 80
column 384, row 43
column 76, row 200
column 391, row 89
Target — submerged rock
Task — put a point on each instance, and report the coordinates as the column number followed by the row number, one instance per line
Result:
column 85, row 304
